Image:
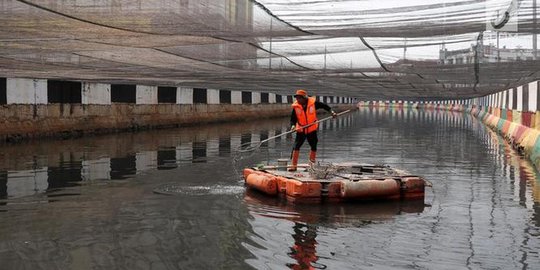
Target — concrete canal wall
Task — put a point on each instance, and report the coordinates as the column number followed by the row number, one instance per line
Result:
column 514, row 112
column 38, row 107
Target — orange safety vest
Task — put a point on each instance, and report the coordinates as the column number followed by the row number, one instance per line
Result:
column 306, row 117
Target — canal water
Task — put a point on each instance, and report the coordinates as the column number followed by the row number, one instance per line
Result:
column 174, row 199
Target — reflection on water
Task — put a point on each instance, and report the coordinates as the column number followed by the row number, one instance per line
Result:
column 332, row 214
column 38, row 167
column 307, row 218
column 173, row 199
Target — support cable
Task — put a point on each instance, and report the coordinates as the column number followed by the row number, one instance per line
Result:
column 375, row 54
column 263, row 7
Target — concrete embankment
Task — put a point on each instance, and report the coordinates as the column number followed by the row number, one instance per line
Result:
column 31, row 108
column 520, row 129
column 67, row 120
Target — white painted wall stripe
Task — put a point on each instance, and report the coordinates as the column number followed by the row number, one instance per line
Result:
column 271, row 98
column 255, row 98
column 96, row 93
column 146, row 94
column 504, row 95
column 26, row 91
column 236, row 97
column 212, row 96
column 533, row 95
column 520, row 98
column 184, row 95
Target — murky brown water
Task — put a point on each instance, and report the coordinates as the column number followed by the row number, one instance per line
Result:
column 90, row 203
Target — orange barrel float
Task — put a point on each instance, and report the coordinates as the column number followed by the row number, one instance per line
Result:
column 282, row 184
column 247, row 172
column 300, row 191
column 332, row 191
column 412, row 187
column 371, row 189
column 265, row 183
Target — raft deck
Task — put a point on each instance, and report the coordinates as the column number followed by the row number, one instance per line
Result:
column 336, row 172
column 335, row 182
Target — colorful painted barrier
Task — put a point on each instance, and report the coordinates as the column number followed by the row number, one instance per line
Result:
column 519, row 127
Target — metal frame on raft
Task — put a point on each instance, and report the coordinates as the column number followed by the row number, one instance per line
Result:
column 335, row 182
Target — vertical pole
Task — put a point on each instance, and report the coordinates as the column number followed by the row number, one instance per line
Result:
column 498, row 50
column 534, row 31
column 405, row 50
column 270, row 51
column 324, row 57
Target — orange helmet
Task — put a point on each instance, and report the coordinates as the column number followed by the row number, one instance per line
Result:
column 301, row 92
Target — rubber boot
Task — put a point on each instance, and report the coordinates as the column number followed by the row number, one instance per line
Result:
column 312, row 156
column 295, row 155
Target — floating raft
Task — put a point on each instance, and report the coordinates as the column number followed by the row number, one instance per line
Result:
column 335, row 182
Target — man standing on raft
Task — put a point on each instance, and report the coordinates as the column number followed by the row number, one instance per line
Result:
column 304, row 113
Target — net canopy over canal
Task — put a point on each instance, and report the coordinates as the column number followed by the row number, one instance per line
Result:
column 437, row 49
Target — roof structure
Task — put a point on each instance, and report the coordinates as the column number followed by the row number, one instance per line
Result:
column 369, row 49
